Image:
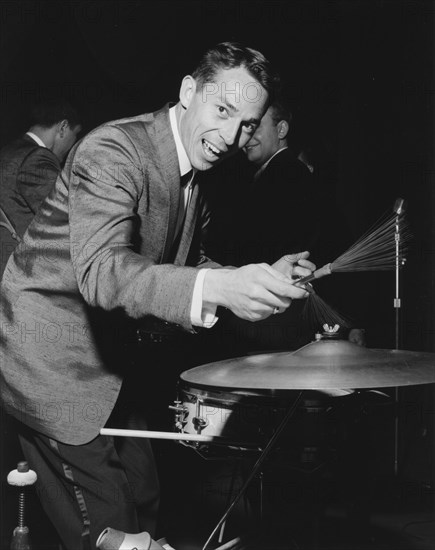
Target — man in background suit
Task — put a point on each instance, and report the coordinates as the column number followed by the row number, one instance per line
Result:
column 118, row 244
column 29, row 167
column 281, row 205
column 291, row 188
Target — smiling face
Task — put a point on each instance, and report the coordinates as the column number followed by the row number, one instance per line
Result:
column 221, row 117
column 266, row 140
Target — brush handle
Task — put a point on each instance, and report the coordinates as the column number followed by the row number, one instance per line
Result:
column 321, row 272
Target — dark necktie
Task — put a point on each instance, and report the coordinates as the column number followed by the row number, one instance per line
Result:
column 183, row 204
column 186, row 178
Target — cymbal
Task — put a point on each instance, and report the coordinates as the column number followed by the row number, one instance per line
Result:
column 321, row 365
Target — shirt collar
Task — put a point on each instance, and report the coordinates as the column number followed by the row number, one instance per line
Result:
column 36, row 138
column 183, row 159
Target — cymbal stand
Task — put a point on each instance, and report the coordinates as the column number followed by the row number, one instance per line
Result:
column 253, row 472
column 261, row 490
column 230, row 494
column 399, row 209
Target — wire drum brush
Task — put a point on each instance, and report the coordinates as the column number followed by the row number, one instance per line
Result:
column 374, row 251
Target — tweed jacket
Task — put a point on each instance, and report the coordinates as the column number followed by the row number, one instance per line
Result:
column 27, row 174
column 98, row 256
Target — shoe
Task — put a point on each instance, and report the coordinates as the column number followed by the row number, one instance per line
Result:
column 112, row 539
column 165, row 544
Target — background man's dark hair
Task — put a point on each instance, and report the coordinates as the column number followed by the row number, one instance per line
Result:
column 49, row 112
column 297, row 138
column 281, row 110
column 230, row 55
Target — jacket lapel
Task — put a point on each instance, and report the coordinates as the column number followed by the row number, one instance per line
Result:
column 164, row 200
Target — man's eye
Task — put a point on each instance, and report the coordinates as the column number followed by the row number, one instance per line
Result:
column 250, row 128
column 222, row 111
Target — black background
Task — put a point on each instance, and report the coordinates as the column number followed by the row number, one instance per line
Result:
column 362, row 73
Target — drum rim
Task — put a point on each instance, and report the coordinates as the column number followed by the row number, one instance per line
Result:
column 242, row 393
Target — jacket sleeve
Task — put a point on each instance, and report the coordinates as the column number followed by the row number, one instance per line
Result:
column 36, row 176
column 106, row 181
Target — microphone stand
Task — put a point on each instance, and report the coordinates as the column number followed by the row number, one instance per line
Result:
column 399, row 209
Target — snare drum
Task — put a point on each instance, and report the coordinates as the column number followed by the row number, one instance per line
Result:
column 244, row 421
column 237, row 421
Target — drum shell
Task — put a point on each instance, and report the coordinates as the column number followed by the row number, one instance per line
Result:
column 240, row 420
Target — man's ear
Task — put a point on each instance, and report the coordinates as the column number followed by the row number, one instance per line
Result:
column 283, row 129
column 62, row 127
column 187, row 90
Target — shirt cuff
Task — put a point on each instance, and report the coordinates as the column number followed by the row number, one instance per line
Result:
column 199, row 316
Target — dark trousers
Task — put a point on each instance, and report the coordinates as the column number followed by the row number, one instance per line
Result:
column 109, row 482
column 113, row 482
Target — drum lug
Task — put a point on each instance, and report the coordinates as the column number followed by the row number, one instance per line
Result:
column 198, row 421
column 180, row 414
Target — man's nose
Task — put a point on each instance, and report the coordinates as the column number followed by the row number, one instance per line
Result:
column 229, row 132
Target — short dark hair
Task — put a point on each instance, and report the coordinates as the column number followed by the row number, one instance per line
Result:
column 280, row 110
column 230, row 55
column 49, row 112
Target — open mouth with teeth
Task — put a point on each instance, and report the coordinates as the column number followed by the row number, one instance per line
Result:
column 210, row 150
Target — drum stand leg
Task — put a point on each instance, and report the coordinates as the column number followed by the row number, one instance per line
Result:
column 260, row 476
column 230, row 494
column 253, row 472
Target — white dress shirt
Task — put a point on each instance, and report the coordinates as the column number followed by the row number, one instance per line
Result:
column 36, row 138
column 199, row 316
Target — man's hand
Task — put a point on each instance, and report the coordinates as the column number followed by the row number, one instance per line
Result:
column 295, row 266
column 253, row 292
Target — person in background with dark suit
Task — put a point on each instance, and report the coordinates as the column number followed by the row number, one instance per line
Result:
column 29, row 167
column 116, row 250
column 282, row 204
